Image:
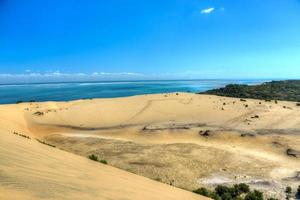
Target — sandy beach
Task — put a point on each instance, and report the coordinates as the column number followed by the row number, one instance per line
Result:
column 176, row 139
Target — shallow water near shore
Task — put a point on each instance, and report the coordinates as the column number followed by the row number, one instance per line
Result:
column 11, row 93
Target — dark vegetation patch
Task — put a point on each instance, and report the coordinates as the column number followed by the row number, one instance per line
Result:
column 43, row 142
column 22, row 135
column 95, row 158
column 222, row 192
column 276, row 90
column 148, row 163
column 293, row 153
column 31, row 101
column 172, row 127
column 247, row 135
column 103, row 162
column 38, row 113
column 236, row 192
column 205, row 133
column 286, row 107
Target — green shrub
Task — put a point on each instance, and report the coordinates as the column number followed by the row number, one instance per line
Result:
column 103, row 162
column 237, row 192
column 242, row 188
column 205, row 192
column 224, row 190
column 214, row 196
column 93, row 157
column 226, row 196
column 279, row 90
column 202, row 191
column 255, row 195
column 288, row 190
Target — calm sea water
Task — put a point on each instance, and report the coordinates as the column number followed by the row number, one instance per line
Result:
column 70, row 91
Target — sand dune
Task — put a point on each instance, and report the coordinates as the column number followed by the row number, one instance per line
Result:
column 158, row 136
column 31, row 170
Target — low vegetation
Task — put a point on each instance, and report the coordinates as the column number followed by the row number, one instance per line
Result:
column 95, row 158
column 236, row 192
column 31, row 101
column 22, row 135
column 103, row 162
column 43, row 142
column 275, row 90
column 240, row 192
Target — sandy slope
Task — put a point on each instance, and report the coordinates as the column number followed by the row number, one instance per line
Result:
column 159, row 136
column 31, row 170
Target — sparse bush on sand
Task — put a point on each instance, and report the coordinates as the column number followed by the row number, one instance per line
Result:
column 103, row 162
column 236, row 192
column 93, row 157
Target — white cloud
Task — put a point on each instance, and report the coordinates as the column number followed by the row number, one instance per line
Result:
column 70, row 75
column 116, row 74
column 207, row 10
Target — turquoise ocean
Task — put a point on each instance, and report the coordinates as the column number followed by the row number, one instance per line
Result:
column 11, row 93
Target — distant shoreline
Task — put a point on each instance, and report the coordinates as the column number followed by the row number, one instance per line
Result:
column 107, row 89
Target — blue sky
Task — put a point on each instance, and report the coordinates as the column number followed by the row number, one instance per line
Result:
column 149, row 39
